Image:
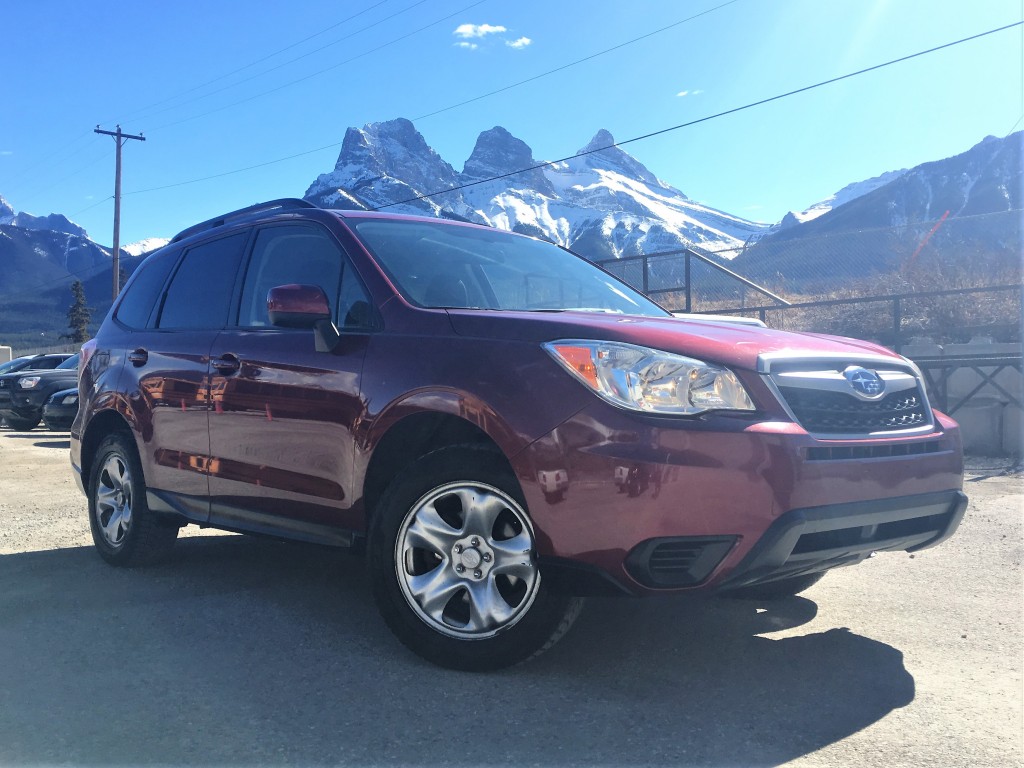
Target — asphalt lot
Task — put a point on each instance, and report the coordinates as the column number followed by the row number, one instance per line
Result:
column 242, row 651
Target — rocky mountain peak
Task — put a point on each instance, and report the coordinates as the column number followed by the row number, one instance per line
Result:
column 498, row 152
column 393, row 148
column 6, row 212
column 601, row 155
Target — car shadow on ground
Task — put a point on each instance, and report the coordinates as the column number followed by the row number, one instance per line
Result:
column 64, row 444
column 247, row 651
column 60, row 440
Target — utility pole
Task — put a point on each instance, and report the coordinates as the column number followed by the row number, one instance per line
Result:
column 119, row 138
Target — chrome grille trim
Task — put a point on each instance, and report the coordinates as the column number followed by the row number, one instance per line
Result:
column 816, row 395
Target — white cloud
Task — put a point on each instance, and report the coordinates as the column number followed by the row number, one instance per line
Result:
column 467, row 46
column 689, row 93
column 467, row 31
column 6, row 152
column 519, row 44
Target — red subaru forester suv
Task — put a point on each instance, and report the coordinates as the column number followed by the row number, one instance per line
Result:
column 507, row 427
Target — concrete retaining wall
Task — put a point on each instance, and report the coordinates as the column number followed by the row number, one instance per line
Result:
column 991, row 422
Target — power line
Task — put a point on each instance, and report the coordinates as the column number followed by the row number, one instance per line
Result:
column 574, row 63
column 64, row 151
column 232, row 173
column 39, row 191
column 335, row 145
column 90, row 207
column 279, row 66
column 290, row 83
column 251, row 64
column 734, row 110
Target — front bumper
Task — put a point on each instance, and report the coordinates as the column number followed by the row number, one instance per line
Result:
column 805, row 541
column 721, row 502
column 59, row 417
column 22, row 403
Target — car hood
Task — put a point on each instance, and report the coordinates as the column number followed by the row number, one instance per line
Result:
column 738, row 346
column 50, row 374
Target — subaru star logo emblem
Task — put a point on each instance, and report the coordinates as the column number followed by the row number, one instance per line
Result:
column 864, row 382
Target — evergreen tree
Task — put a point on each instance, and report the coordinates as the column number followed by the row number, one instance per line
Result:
column 79, row 315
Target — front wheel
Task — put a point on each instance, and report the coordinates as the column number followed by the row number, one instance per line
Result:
column 452, row 554
column 124, row 530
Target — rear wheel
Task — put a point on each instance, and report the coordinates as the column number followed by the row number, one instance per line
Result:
column 124, row 530
column 20, row 424
column 452, row 554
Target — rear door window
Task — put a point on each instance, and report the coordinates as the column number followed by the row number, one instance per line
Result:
column 201, row 290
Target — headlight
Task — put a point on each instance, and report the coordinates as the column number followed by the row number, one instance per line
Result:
column 649, row 380
column 28, row 382
column 70, row 400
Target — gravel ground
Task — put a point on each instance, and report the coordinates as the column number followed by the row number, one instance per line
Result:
column 242, row 651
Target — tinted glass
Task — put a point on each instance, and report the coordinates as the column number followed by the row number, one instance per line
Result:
column 70, row 364
column 142, row 292
column 441, row 265
column 200, row 292
column 14, row 365
column 286, row 255
column 46, row 362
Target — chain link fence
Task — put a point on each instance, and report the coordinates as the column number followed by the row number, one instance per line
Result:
column 948, row 280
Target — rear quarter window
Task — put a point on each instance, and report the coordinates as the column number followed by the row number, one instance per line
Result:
column 143, row 290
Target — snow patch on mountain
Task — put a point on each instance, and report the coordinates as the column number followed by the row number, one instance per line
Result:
column 145, row 246
column 845, row 195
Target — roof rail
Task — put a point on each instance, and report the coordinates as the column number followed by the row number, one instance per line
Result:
column 284, row 203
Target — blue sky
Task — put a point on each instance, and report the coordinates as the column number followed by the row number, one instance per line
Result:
column 211, row 88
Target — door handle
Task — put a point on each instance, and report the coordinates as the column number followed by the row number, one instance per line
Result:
column 138, row 357
column 226, row 364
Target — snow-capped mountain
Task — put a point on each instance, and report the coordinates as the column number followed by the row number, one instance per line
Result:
column 957, row 215
column 602, row 202
column 845, row 195
column 39, row 258
column 54, row 222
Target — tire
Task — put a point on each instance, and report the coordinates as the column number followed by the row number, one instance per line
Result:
column 777, row 590
column 124, row 530
column 19, row 424
column 452, row 556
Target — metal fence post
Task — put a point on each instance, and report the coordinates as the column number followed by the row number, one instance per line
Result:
column 897, row 323
column 689, row 307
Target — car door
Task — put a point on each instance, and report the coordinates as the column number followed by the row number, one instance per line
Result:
column 282, row 414
column 167, row 351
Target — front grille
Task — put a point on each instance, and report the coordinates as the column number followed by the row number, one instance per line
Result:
column 3, row 384
column 825, row 412
column 677, row 562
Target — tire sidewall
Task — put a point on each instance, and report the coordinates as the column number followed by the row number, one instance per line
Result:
column 519, row 641
column 117, row 445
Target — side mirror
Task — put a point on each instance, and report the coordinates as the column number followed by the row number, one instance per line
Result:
column 304, row 306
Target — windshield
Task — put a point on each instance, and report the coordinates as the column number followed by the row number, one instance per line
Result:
column 441, row 265
column 13, row 365
column 71, row 362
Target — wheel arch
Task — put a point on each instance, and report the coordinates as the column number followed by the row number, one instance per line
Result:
column 102, row 424
column 413, row 436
